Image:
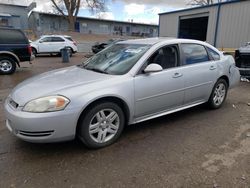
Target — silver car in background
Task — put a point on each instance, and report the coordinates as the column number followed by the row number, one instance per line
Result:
column 129, row 82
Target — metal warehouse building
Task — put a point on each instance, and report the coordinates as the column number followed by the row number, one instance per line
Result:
column 14, row 16
column 224, row 25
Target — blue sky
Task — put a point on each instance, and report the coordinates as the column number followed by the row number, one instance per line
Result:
column 141, row 11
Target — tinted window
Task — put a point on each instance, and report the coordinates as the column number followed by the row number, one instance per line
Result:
column 57, row 39
column 194, row 53
column 213, row 54
column 9, row 36
column 166, row 57
column 46, row 39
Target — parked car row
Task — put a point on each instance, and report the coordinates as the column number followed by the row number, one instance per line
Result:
column 16, row 48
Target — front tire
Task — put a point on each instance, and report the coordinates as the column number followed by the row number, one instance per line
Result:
column 218, row 94
column 7, row 65
column 102, row 125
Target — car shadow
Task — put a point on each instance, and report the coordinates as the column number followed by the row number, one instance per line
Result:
column 167, row 120
column 76, row 147
column 130, row 136
column 48, row 55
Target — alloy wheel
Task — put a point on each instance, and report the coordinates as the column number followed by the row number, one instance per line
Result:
column 5, row 65
column 219, row 94
column 104, row 125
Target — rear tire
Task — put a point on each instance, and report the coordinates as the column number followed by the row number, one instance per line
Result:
column 102, row 125
column 7, row 65
column 71, row 52
column 34, row 52
column 218, row 95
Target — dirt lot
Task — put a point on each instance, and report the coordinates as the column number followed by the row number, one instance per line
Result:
column 192, row 148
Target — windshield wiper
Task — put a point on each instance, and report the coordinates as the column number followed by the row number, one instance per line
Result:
column 97, row 70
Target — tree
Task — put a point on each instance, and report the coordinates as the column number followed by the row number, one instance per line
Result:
column 70, row 8
column 203, row 2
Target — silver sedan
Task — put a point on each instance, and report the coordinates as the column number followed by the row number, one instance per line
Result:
column 129, row 82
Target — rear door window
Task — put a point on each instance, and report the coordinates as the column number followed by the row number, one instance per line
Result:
column 57, row 39
column 11, row 36
column 194, row 53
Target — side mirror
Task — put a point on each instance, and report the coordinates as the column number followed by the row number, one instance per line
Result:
column 153, row 68
column 40, row 41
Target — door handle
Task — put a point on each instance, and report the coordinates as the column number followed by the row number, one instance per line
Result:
column 212, row 67
column 177, row 75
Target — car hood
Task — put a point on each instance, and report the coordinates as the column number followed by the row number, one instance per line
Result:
column 245, row 49
column 34, row 43
column 54, row 82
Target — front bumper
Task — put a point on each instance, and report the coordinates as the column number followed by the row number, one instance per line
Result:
column 244, row 72
column 41, row 127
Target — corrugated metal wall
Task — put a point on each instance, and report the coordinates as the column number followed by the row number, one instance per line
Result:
column 233, row 28
column 169, row 23
column 234, row 25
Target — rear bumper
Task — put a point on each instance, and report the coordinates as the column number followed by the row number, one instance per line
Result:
column 32, row 57
column 234, row 76
column 75, row 49
column 244, row 72
column 27, row 58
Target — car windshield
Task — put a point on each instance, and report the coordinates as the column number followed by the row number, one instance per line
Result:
column 117, row 59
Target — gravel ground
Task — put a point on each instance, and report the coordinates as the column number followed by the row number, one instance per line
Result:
column 192, row 148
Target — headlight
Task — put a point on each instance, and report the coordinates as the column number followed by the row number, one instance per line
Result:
column 46, row 104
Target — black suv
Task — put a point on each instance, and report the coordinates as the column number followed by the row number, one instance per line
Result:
column 14, row 48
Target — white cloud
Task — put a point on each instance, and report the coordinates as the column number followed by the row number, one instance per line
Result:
column 134, row 9
column 154, row 10
column 142, row 13
column 106, row 15
column 173, row 3
column 44, row 6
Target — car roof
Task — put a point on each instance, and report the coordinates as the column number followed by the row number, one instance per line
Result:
column 149, row 41
column 152, row 41
column 55, row 36
column 166, row 41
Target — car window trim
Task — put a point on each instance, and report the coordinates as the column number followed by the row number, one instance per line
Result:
column 139, row 72
column 184, row 57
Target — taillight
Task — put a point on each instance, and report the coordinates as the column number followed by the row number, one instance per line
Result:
column 29, row 49
column 74, row 42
